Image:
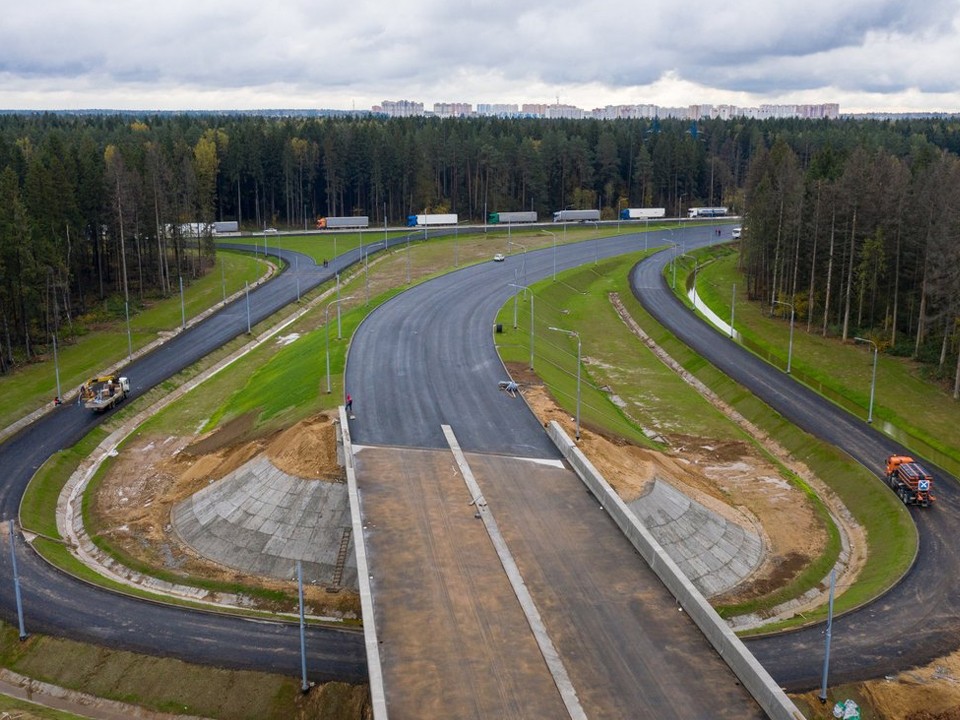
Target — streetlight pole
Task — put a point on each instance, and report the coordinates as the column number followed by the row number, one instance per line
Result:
column 792, row 312
column 574, row 333
column 553, row 235
column 326, row 322
column 183, row 308
column 524, row 287
column 524, row 264
column 873, row 381
column 246, row 293
column 696, row 266
column 56, row 364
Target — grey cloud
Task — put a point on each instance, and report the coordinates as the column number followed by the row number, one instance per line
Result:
column 503, row 45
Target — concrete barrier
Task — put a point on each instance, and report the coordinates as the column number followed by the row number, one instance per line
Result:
column 378, row 698
column 758, row 682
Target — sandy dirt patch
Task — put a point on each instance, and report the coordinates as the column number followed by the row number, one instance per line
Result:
column 132, row 505
column 731, row 478
column 931, row 692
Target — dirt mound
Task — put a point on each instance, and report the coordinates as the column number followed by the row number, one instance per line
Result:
column 307, row 450
column 729, row 477
column 132, row 505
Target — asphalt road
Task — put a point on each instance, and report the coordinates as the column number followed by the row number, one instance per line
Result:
column 428, row 358
column 912, row 624
column 915, row 622
column 57, row 604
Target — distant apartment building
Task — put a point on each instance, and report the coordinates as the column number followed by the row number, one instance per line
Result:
column 399, row 108
column 408, row 108
column 450, row 110
column 498, row 109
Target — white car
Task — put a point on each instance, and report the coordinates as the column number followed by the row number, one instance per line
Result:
column 736, row 233
column 499, row 257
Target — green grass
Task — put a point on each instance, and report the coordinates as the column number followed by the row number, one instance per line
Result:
column 102, row 337
column 38, row 509
column 910, row 408
column 168, row 685
column 619, row 397
column 652, row 396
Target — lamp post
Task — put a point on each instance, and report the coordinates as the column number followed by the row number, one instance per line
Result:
column 790, row 348
column 696, row 266
column 873, row 381
column 673, row 263
column 326, row 321
column 574, row 333
column 524, row 287
column 554, row 253
column 523, row 266
column 246, row 294
column 56, row 362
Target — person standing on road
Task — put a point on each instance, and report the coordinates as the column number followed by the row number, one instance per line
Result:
column 349, row 404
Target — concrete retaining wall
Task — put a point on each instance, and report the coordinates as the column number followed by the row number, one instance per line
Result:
column 751, row 673
column 378, row 698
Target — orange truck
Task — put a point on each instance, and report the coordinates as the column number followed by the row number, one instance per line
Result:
column 910, row 481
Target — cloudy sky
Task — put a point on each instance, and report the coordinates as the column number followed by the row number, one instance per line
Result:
column 867, row 55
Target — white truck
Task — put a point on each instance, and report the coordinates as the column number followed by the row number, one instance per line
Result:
column 102, row 393
column 521, row 216
column 576, row 216
column 706, row 212
column 331, row 223
column 642, row 213
column 434, row 219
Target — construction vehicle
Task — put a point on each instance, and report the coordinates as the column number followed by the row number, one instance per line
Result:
column 102, row 393
column 910, row 481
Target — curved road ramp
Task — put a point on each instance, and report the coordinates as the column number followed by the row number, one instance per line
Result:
column 497, row 587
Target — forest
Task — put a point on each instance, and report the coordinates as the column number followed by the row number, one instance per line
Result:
column 852, row 222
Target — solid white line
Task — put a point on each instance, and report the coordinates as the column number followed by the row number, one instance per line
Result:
column 567, row 692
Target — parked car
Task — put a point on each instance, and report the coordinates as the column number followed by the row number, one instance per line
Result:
column 499, row 257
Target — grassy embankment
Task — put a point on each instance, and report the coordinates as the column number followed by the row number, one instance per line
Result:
column 101, row 336
column 652, row 397
column 258, row 382
column 913, row 409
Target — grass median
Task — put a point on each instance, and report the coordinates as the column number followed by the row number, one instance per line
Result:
column 618, row 372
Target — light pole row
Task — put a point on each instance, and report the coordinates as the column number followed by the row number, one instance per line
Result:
column 524, row 287
column 790, row 347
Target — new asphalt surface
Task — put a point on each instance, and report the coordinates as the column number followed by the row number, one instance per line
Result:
column 915, row 622
column 57, row 604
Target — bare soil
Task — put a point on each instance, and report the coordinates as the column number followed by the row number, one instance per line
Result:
column 730, row 477
column 931, row 692
column 131, row 508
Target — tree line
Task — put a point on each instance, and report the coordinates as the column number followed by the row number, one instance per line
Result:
column 93, row 208
column 862, row 242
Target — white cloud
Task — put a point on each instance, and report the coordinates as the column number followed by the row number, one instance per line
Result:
column 865, row 54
